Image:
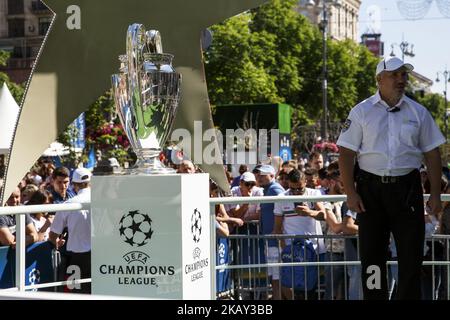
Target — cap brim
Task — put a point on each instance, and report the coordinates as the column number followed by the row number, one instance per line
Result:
column 406, row 66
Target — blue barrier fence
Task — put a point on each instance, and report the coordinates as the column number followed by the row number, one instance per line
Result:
column 38, row 265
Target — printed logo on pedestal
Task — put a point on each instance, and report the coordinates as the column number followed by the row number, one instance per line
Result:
column 136, row 229
column 194, row 269
column 196, row 225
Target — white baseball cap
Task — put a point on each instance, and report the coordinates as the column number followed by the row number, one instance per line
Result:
column 81, row 175
column 266, row 169
column 391, row 64
column 248, row 177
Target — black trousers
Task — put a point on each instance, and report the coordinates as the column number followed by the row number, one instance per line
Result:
column 82, row 261
column 395, row 207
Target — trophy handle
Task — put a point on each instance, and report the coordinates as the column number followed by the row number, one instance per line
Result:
column 136, row 45
column 154, row 42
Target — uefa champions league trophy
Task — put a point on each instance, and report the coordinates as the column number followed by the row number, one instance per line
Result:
column 146, row 94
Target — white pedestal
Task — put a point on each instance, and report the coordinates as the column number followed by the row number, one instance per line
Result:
column 151, row 236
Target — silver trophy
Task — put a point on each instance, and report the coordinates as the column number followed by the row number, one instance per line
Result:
column 146, row 94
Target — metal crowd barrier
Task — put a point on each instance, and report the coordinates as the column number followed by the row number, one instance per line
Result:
column 249, row 279
column 238, row 283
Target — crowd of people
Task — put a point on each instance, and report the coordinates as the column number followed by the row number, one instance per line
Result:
column 315, row 219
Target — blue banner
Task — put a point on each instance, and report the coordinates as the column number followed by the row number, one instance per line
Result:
column 78, row 139
column 223, row 277
column 38, row 264
column 92, row 161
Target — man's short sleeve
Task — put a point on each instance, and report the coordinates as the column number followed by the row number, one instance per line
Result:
column 430, row 136
column 277, row 211
column 351, row 132
column 58, row 223
column 28, row 219
column 4, row 222
column 351, row 214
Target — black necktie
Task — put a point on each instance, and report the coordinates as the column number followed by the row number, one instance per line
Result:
column 393, row 109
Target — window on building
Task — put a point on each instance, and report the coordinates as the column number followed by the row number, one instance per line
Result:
column 16, row 28
column 15, row 7
column 21, row 52
column 44, row 24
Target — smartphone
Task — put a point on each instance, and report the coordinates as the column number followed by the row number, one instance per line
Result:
column 296, row 204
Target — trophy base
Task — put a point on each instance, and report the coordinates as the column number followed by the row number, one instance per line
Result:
column 149, row 167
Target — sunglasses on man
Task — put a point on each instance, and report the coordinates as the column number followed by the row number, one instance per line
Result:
column 249, row 184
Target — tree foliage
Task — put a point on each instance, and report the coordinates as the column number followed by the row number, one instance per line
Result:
column 274, row 54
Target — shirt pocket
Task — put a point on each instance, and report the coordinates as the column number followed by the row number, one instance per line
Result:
column 409, row 134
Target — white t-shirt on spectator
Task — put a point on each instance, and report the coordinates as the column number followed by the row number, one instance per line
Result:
column 296, row 224
column 78, row 224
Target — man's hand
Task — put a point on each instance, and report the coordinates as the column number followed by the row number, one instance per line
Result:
column 435, row 204
column 59, row 243
column 354, row 203
column 304, row 211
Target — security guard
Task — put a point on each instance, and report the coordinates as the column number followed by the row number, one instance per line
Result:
column 390, row 134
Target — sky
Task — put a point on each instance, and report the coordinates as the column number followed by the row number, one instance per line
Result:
column 429, row 35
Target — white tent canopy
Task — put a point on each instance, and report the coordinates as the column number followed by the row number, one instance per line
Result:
column 56, row 149
column 9, row 111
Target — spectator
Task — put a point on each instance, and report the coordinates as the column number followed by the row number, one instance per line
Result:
column 247, row 188
column 242, row 168
column 283, row 179
column 78, row 224
column 316, row 160
column 335, row 275
column 186, row 166
column 432, row 251
column 444, row 226
column 266, row 180
column 276, row 163
column 60, row 185
column 42, row 220
column 299, row 218
column 349, row 227
column 27, row 193
column 222, row 218
column 8, row 224
column 312, row 178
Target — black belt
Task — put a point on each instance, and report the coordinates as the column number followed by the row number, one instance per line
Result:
column 387, row 179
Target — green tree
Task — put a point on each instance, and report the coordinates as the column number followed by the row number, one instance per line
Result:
column 274, row 54
column 235, row 64
column 103, row 133
column 17, row 90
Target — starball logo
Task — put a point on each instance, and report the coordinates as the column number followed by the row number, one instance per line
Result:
column 136, row 228
column 196, row 225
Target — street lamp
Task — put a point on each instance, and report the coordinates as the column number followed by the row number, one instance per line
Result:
column 446, row 74
column 404, row 47
column 324, row 5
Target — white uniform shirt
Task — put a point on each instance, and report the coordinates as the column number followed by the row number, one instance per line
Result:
column 78, row 224
column 296, row 224
column 390, row 143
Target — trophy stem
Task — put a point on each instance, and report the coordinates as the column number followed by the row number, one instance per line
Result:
column 148, row 163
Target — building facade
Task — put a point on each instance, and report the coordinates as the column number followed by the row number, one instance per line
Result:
column 342, row 18
column 23, row 25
